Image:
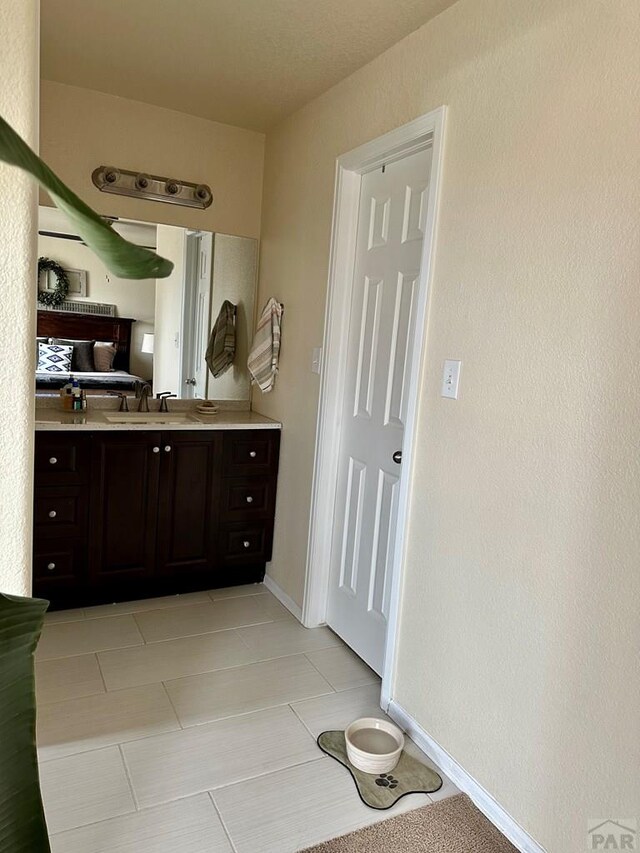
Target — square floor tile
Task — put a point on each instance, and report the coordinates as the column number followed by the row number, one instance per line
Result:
column 201, row 758
column 67, row 678
column 91, row 635
column 196, row 619
column 286, row 637
column 173, row 659
column 85, row 788
column 186, row 826
column 238, row 591
column 214, row 695
column 342, row 668
column 337, row 710
column 165, row 602
column 298, row 807
column 78, row 725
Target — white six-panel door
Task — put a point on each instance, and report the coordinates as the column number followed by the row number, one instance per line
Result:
column 391, row 223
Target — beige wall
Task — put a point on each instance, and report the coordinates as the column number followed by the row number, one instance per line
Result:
column 81, row 129
column 18, row 105
column 519, row 628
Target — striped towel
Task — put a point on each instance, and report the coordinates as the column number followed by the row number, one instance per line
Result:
column 263, row 358
column 222, row 341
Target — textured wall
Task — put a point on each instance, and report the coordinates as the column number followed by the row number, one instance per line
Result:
column 18, row 105
column 81, row 129
column 519, row 628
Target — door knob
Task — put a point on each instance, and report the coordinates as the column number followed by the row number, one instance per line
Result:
column 246, row 544
column 52, row 460
column 189, row 381
column 52, row 513
column 51, row 566
column 156, row 449
column 397, row 457
column 167, row 448
column 252, row 454
column 249, row 499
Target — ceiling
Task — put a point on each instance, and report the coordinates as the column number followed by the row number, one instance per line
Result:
column 243, row 62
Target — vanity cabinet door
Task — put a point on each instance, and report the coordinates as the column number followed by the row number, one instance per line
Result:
column 188, row 502
column 125, row 483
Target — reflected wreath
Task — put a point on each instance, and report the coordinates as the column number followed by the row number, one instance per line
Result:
column 54, row 297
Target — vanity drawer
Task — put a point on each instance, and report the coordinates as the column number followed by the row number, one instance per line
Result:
column 249, row 452
column 245, row 543
column 57, row 563
column 61, row 459
column 247, row 498
column 60, row 511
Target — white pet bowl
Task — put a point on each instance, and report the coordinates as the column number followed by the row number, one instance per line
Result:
column 373, row 745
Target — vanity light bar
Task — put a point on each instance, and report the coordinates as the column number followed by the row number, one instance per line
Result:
column 108, row 179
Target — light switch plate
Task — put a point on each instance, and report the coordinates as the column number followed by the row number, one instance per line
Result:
column 316, row 360
column 451, row 379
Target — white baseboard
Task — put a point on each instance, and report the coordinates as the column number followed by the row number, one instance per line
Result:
column 283, row 598
column 467, row 784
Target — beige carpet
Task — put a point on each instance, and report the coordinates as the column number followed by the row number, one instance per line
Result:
column 453, row 825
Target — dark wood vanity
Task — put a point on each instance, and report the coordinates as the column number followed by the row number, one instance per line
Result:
column 120, row 515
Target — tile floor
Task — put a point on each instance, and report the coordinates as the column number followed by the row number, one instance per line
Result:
column 188, row 724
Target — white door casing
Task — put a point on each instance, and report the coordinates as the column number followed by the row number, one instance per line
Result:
column 386, row 284
column 196, row 310
column 426, row 131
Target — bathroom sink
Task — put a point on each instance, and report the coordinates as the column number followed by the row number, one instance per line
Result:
column 149, row 418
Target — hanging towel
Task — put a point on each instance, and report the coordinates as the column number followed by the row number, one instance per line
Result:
column 222, row 341
column 263, row 358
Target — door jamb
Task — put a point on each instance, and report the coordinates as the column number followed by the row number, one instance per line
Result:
column 427, row 130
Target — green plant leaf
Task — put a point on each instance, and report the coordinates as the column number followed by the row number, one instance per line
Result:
column 122, row 258
column 22, row 824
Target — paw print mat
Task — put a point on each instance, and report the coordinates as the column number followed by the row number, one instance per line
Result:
column 409, row 776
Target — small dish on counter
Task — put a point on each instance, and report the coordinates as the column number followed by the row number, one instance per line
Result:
column 207, row 407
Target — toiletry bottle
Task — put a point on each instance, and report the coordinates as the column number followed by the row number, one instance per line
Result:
column 77, row 396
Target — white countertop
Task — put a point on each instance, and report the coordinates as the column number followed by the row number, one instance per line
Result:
column 97, row 419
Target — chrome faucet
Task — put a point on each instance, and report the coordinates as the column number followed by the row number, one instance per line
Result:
column 143, row 391
column 163, row 396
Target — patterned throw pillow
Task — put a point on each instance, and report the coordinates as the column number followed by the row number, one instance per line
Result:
column 103, row 354
column 54, row 358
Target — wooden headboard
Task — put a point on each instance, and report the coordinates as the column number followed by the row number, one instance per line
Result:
column 89, row 327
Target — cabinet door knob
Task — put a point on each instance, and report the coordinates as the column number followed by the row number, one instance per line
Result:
column 51, row 566
column 156, row 449
column 246, row 543
column 52, row 460
column 252, row 454
column 167, row 448
column 249, row 499
column 52, row 513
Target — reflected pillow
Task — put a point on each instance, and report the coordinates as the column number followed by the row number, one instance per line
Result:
column 54, row 358
column 103, row 354
column 82, row 358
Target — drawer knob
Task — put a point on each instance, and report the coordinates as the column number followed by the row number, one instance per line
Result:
column 51, row 566
column 52, row 460
column 52, row 513
column 156, row 450
column 246, row 543
column 252, row 454
column 167, row 448
column 249, row 499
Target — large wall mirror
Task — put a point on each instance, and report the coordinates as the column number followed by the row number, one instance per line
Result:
column 157, row 331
